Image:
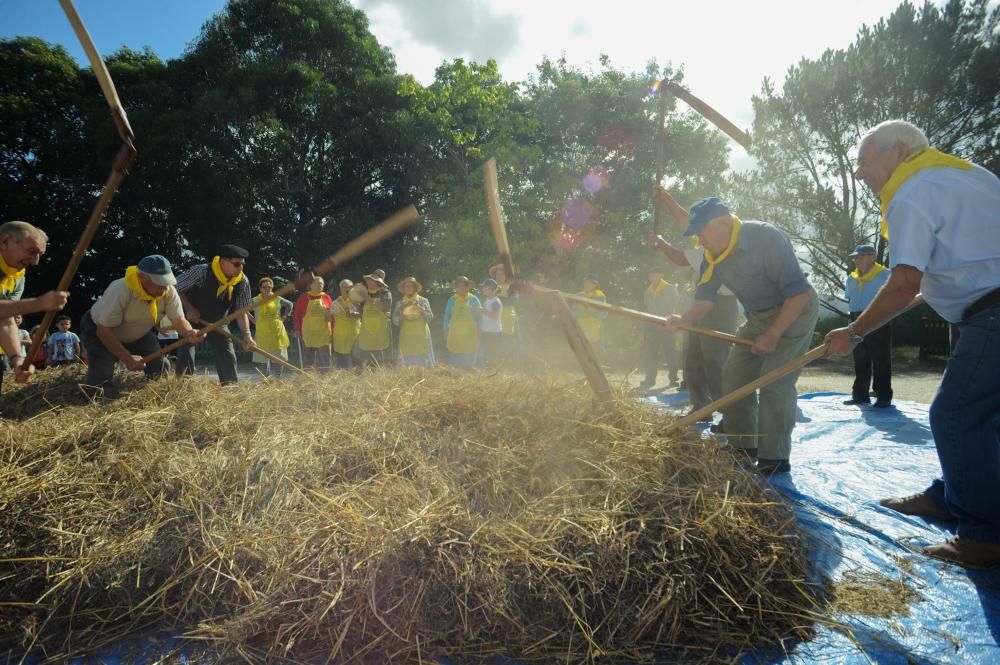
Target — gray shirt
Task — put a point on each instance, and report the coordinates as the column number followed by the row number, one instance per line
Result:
column 762, row 270
column 128, row 315
column 663, row 303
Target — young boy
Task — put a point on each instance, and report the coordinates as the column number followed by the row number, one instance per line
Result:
column 490, row 323
column 63, row 345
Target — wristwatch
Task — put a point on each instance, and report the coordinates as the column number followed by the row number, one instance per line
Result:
column 855, row 337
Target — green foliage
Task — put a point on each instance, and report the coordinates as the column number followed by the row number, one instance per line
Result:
column 936, row 66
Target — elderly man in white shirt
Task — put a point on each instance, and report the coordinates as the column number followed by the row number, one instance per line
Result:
column 942, row 218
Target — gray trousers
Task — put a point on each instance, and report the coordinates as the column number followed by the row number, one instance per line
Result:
column 222, row 352
column 101, row 368
column 704, row 357
column 766, row 423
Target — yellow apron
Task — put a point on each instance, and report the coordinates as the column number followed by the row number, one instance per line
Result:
column 415, row 335
column 463, row 331
column 590, row 324
column 345, row 327
column 315, row 326
column 374, row 327
column 508, row 316
column 271, row 334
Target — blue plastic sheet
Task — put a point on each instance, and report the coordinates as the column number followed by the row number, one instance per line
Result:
column 844, row 459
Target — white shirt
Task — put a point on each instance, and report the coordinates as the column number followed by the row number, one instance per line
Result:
column 128, row 315
column 696, row 256
column 486, row 324
column 945, row 222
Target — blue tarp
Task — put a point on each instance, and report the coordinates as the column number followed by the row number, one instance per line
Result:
column 844, row 459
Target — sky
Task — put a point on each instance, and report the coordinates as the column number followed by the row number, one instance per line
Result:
column 726, row 47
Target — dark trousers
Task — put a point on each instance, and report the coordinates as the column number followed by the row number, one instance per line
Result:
column 316, row 357
column 343, row 360
column 101, row 370
column 657, row 344
column 705, row 356
column 222, row 352
column 873, row 365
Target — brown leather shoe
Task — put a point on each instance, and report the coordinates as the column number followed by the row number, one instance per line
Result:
column 920, row 505
column 966, row 552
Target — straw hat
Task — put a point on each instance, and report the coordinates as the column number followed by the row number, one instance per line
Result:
column 379, row 278
column 410, row 280
column 462, row 278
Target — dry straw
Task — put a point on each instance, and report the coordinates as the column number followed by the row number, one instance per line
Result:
column 386, row 516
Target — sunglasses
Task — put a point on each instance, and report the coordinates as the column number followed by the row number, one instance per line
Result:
column 237, row 264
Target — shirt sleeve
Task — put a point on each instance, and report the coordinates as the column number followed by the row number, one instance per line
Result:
column 425, row 305
column 193, row 277
column 915, row 246
column 243, row 296
column 172, row 304
column 782, row 266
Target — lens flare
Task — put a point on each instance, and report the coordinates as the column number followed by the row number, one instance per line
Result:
column 595, row 180
column 577, row 213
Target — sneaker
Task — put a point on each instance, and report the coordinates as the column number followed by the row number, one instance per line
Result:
column 920, row 505
column 769, row 467
column 853, row 401
column 966, row 552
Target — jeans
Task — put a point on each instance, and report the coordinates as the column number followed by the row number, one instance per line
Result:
column 965, row 421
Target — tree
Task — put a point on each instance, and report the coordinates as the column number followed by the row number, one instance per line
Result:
column 935, row 66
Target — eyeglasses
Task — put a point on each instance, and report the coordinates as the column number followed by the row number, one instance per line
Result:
column 238, row 264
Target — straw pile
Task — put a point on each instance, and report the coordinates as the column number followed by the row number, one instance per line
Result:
column 390, row 516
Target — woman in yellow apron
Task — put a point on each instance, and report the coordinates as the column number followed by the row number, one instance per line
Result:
column 591, row 319
column 270, row 318
column 313, row 322
column 376, row 328
column 346, row 326
column 412, row 313
column 461, row 325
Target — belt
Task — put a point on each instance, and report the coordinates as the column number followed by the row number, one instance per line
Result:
column 991, row 299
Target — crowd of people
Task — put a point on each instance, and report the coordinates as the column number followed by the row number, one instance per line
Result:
column 942, row 213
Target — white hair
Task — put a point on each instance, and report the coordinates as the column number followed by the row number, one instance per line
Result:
column 21, row 230
column 893, row 132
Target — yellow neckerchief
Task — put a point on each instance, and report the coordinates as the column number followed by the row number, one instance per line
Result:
column 662, row 284
column 314, row 294
column 928, row 158
column 225, row 284
column 597, row 293
column 135, row 286
column 712, row 260
column 868, row 276
column 410, row 299
column 10, row 276
column 378, row 289
column 462, row 299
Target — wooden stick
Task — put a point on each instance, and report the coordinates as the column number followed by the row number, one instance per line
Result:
column 497, row 222
column 359, row 245
column 652, row 318
column 583, row 351
column 270, row 356
column 771, row 377
column 710, row 114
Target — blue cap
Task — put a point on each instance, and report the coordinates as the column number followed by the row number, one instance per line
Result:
column 703, row 212
column 158, row 269
column 863, row 250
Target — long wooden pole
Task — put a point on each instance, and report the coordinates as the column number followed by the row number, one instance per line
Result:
column 497, row 222
column 267, row 354
column 119, row 168
column 709, row 113
column 652, row 318
column 359, row 245
column 771, row 377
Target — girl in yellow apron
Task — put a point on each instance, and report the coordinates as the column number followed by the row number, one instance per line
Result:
column 346, row 326
column 313, row 322
column 461, row 325
column 270, row 318
column 376, row 327
column 412, row 313
column 591, row 319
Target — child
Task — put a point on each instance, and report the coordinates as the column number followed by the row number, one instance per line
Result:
column 461, row 325
column 411, row 314
column 313, row 322
column 490, row 323
column 63, row 345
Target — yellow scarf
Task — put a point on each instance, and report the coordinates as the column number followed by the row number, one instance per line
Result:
column 597, row 293
column 134, row 285
column 225, row 284
column 928, row 158
column 462, row 299
column 712, row 261
column 315, row 294
column 868, row 276
column 10, row 276
column 655, row 290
